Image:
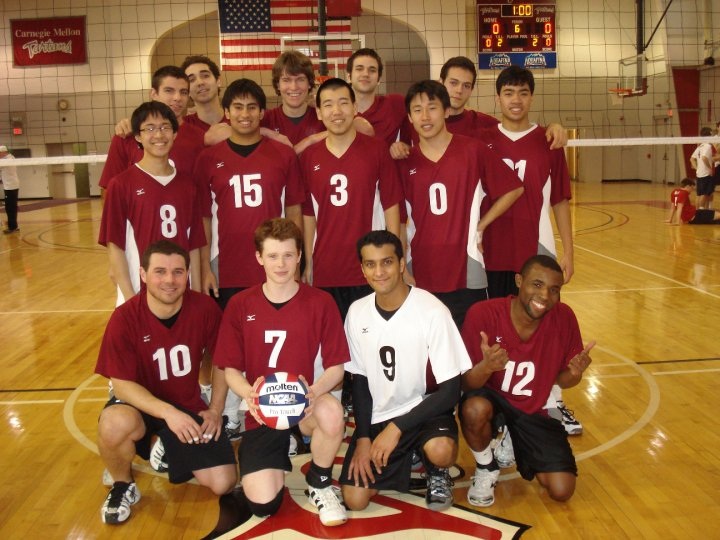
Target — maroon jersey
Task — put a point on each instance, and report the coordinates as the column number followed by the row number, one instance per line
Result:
column 386, row 115
column 239, row 193
column 260, row 339
column 443, row 204
column 126, row 151
column 533, row 365
column 680, row 196
column 194, row 120
column 295, row 129
column 525, row 229
column 468, row 123
column 165, row 361
column 347, row 196
column 140, row 210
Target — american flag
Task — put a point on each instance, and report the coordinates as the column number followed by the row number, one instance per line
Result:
column 250, row 32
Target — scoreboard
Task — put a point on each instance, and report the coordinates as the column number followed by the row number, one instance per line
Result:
column 517, row 33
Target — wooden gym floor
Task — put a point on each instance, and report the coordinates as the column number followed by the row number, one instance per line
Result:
column 649, row 459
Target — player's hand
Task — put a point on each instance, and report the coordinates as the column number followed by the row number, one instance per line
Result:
column 556, row 136
column 275, row 136
column 383, row 446
column 399, row 150
column 210, row 285
column 360, row 470
column 212, row 425
column 217, row 133
column 478, row 239
column 494, row 356
column 307, row 276
column 363, row 126
column 123, row 128
column 310, row 396
column 567, row 266
column 580, row 362
column 251, row 400
column 184, row 427
column 408, row 278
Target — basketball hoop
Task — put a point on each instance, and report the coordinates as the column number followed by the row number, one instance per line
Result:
column 621, row 92
column 322, row 78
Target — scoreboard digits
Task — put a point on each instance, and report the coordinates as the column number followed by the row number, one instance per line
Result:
column 517, row 33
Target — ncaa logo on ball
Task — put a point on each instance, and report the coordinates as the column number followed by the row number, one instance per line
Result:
column 282, row 400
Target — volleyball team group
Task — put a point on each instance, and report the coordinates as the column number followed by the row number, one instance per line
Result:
column 395, row 252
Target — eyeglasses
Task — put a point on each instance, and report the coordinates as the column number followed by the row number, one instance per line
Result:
column 162, row 129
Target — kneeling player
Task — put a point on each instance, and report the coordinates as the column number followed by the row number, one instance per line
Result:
column 151, row 351
column 393, row 334
column 535, row 343
column 283, row 325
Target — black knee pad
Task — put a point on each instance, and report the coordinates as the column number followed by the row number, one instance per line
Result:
column 268, row 508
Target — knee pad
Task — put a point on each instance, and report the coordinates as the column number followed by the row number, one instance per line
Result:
column 268, row 508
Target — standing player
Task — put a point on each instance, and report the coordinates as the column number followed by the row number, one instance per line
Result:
column 11, row 187
column 149, row 201
column 520, row 347
column 244, row 181
column 397, row 411
column 151, row 352
column 283, row 325
column 702, row 161
column 169, row 86
column 445, row 178
column 385, row 113
column 525, row 229
column 204, row 77
column 459, row 75
column 352, row 185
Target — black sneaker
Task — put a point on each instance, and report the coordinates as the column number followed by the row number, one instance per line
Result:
column 439, row 495
column 117, row 504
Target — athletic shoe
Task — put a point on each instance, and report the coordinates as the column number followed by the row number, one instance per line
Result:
column 234, row 430
column 10, row 231
column 331, row 512
column 157, row 457
column 482, row 490
column 439, row 495
column 117, row 504
column 571, row 424
column 503, row 452
column 417, row 464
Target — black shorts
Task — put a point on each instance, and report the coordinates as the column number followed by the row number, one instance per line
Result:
column 501, row 283
column 540, row 442
column 458, row 302
column 704, row 217
column 182, row 458
column 396, row 475
column 264, row 448
column 705, row 185
column 345, row 296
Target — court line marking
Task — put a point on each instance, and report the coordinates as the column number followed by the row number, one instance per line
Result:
column 32, row 402
column 637, row 289
column 686, row 371
column 639, row 268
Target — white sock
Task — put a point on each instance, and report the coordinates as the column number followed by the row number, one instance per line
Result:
column 483, row 457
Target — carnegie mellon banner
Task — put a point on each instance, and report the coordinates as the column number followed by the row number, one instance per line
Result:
column 48, row 42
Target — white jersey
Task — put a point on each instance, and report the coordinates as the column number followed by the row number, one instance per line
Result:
column 394, row 354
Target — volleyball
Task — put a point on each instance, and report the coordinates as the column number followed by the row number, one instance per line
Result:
column 281, row 400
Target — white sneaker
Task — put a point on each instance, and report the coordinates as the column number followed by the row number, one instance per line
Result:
column 331, row 512
column 107, row 478
column 571, row 424
column 482, row 490
column 503, row 452
column 157, row 457
column 116, row 508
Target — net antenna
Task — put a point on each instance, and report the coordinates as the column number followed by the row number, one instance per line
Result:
column 333, row 55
